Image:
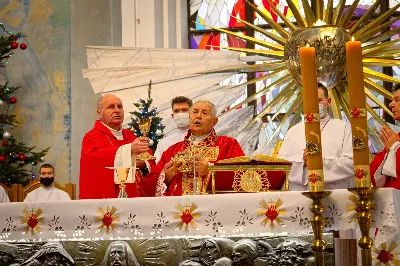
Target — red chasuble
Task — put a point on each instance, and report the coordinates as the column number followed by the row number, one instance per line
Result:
column 378, row 159
column 215, row 148
column 99, row 147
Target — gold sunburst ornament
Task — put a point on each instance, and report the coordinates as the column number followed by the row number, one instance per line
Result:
column 107, row 218
column 327, row 31
column 186, row 215
column 272, row 212
column 386, row 254
column 32, row 219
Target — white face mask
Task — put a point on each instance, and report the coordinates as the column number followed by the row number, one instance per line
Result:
column 181, row 119
column 321, row 110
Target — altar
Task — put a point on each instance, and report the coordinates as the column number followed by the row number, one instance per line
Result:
column 81, row 225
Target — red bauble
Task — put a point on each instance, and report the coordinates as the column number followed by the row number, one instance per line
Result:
column 35, row 162
column 13, row 100
column 14, row 45
column 5, row 143
column 2, row 158
column 23, row 46
column 21, row 157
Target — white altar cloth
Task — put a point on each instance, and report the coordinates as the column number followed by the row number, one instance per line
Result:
column 250, row 214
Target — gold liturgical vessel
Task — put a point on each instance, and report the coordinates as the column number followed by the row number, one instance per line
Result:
column 144, row 127
column 122, row 174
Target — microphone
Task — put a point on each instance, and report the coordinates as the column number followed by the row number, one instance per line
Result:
column 192, row 139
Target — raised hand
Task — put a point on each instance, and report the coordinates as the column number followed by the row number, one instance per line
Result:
column 139, row 145
column 201, row 167
column 388, row 137
column 170, row 170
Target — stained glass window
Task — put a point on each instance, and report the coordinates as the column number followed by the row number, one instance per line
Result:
column 216, row 13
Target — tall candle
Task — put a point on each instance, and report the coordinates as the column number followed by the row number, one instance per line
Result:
column 311, row 119
column 358, row 114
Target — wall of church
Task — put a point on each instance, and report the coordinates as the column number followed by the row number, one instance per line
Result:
column 42, row 71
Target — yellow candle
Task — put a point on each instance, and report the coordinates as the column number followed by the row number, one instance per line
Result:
column 358, row 114
column 311, row 119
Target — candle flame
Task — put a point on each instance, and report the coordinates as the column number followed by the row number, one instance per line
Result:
column 352, row 39
column 308, row 45
column 319, row 23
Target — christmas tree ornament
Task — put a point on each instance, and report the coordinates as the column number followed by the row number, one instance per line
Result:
column 21, row 157
column 23, row 46
column 1, row 102
column 151, row 142
column 5, row 143
column 13, row 100
column 14, row 45
column 2, row 158
column 6, row 135
column 158, row 132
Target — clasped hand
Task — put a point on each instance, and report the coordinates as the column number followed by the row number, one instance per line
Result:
column 388, row 137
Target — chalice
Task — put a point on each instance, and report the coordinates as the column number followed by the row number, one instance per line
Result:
column 144, row 127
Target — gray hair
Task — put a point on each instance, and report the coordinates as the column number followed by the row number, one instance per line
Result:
column 100, row 100
column 213, row 107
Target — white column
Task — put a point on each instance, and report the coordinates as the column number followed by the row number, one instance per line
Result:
column 129, row 22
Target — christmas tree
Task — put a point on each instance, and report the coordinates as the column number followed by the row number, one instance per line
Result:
column 148, row 119
column 15, row 156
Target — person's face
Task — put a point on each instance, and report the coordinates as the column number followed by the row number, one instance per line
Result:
column 111, row 112
column 202, row 119
column 180, row 108
column 322, row 99
column 395, row 105
column 287, row 257
column 117, row 255
column 241, row 256
column 209, row 254
column 52, row 259
column 46, row 173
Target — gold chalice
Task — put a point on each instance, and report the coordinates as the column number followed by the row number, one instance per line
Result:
column 122, row 174
column 144, row 127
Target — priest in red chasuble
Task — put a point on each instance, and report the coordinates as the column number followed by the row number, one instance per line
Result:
column 108, row 145
column 174, row 172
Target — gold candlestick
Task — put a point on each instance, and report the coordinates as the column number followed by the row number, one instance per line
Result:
column 318, row 224
column 364, row 218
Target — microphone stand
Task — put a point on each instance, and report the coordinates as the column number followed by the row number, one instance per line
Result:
column 192, row 139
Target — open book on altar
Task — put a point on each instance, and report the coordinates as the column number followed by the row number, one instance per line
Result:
column 256, row 159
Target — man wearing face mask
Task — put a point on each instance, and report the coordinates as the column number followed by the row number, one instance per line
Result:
column 337, row 152
column 180, row 113
column 47, row 192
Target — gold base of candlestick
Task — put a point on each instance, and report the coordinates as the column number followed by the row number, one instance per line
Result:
column 122, row 191
column 364, row 218
column 318, row 224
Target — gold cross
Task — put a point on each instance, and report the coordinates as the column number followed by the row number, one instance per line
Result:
column 32, row 211
column 186, row 206
column 272, row 202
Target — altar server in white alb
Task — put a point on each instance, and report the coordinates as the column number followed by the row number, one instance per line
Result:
column 180, row 113
column 337, row 153
column 47, row 192
column 3, row 196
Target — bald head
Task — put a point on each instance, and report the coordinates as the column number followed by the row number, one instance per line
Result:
column 110, row 111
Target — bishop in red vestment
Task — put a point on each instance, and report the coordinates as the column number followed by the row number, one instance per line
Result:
column 175, row 178
column 385, row 168
column 103, row 146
